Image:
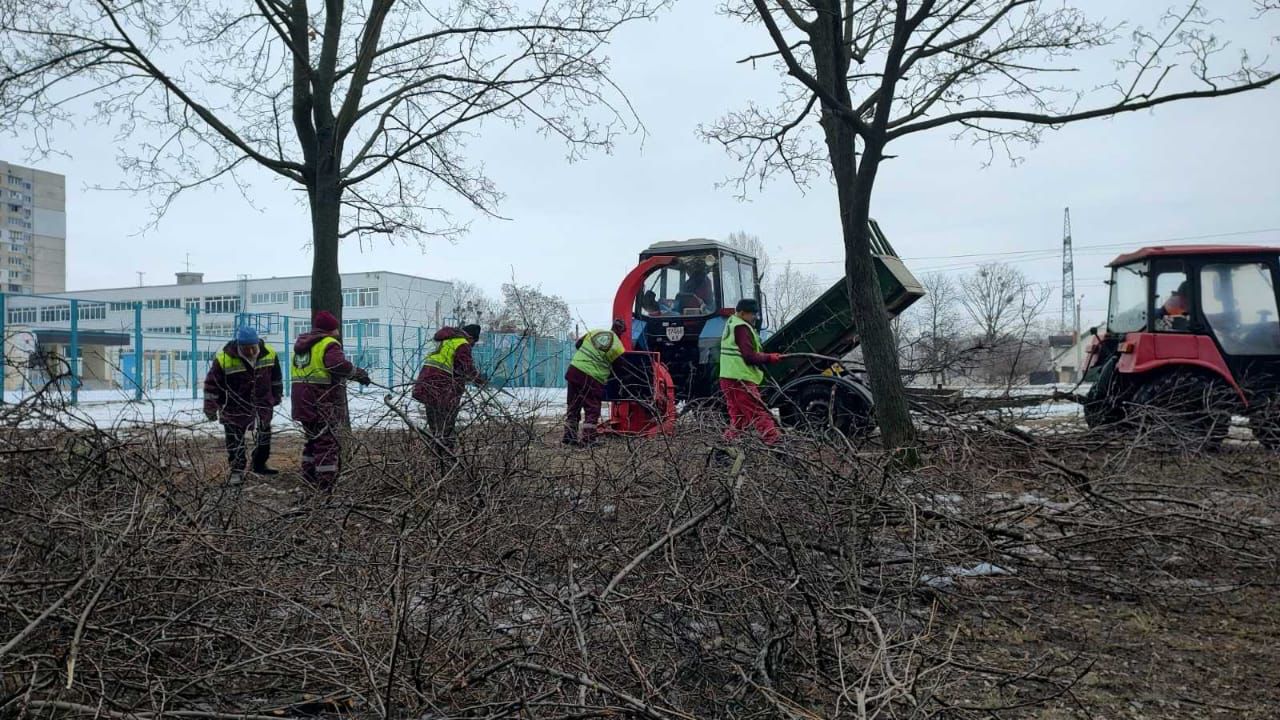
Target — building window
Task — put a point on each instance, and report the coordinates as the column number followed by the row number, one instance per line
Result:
column 222, row 304
column 15, row 288
column 92, row 311
column 360, row 297
column 218, row 329
column 164, row 303
column 55, row 313
column 120, row 306
column 353, row 329
column 25, row 315
column 302, row 300
column 168, row 330
column 189, row 303
column 269, row 298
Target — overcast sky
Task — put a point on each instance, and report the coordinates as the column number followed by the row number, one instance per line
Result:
column 1204, row 168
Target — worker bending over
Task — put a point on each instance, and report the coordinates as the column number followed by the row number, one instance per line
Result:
column 588, row 372
column 241, row 390
column 444, row 375
column 741, row 372
column 319, row 373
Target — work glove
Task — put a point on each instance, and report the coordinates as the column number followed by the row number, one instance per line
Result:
column 362, row 376
column 777, row 357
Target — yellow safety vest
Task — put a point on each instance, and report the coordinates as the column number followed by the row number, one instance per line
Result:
column 309, row 367
column 732, row 365
column 599, row 349
column 442, row 358
column 231, row 364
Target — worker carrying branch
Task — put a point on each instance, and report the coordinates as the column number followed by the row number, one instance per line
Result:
column 443, row 378
column 241, row 390
column 589, row 370
column 741, row 363
column 319, row 374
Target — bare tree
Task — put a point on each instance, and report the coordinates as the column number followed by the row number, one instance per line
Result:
column 528, row 310
column 469, row 303
column 1006, row 309
column 791, row 291
column 874, row 72
column 365, row 106
column 938, row 322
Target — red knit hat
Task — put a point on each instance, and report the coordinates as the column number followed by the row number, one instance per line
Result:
column 325, row 321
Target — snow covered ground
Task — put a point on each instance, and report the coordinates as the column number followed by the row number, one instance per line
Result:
column 112, row 408
column 117, row 408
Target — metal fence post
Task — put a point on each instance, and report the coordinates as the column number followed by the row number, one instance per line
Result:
column 286, row 370
column 137, row 351
column 74, row 352
column 417, row 355
column 391, row 351
column 360, row 360
column 4, row 358
column 195, row 349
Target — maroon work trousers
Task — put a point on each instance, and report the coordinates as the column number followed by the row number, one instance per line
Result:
column 747, row 411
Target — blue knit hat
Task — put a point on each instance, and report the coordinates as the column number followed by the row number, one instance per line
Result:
column 246, row 336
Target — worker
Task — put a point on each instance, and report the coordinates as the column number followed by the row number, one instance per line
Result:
column 698, row 285
column 589, row 370
column 444, row 375
column 741, row 373
column 1177, row 306
column 241, row 390
column 319, row 373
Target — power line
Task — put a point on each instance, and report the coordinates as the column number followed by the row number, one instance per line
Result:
column 1050, row 251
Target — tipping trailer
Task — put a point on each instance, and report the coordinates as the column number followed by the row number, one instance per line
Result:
column 676, row 302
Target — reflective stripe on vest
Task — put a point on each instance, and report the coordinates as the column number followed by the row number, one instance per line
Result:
column 732, row 365
column 309, row 367
column 442, row 358
column 599, row 349
column 233, row 363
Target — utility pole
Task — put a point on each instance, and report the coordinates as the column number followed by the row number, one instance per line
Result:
column 1068, row 278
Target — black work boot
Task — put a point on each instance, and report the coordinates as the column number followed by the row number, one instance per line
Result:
column 264, row 470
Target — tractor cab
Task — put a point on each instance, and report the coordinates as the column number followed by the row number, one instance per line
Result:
column 1204, row 319
column 682, row 293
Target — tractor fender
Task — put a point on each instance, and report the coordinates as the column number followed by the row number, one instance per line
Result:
column 781, row 393
column 1143, row 353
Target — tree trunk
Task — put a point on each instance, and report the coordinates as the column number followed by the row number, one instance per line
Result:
column 326, row 215
column 879, row 349
column 853, row 187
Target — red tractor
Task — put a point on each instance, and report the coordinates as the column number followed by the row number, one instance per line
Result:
column 1192, row 339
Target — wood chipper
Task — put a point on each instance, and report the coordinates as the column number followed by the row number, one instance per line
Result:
column 676, row 302
column 1192, row 338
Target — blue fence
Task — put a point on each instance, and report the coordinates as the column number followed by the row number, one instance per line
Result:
column 136, row 348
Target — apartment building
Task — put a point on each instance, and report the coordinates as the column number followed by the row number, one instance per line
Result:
column 33, row 230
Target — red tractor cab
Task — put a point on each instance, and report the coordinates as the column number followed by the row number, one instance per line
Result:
column 1192, row 338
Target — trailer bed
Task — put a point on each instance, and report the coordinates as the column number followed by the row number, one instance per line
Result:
column 826, row 326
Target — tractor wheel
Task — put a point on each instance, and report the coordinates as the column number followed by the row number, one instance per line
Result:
column 1264, row 421
column 1104, row 404
column 1183, row 409
column 815, row 407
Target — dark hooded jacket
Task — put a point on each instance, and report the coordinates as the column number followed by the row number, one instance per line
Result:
column 245, row 391
column 437, row 387
column 315, row 403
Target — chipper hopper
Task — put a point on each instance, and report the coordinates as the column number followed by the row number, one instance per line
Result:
column 676, row 302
